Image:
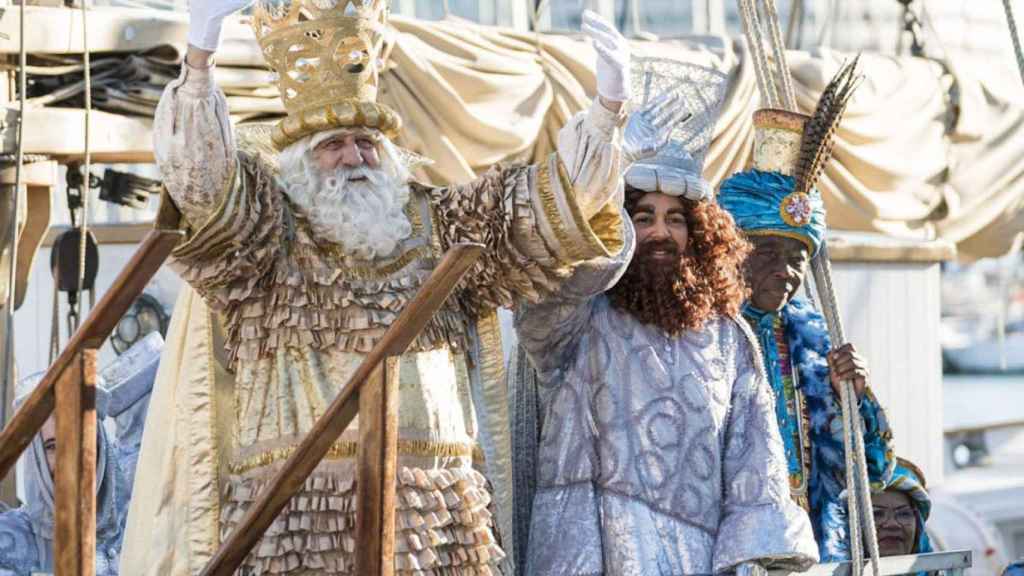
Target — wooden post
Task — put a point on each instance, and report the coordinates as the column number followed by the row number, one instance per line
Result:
column 67, row 526
column 75, row 471
column 376, row 471
column 87, row 481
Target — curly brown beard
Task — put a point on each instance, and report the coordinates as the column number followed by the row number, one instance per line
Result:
column 707, row 283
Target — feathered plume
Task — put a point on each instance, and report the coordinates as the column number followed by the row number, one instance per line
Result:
column 820, row 130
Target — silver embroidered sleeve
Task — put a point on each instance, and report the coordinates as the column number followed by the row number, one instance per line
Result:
column 760, row 522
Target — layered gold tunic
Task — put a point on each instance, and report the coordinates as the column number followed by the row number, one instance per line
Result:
column 297, row 321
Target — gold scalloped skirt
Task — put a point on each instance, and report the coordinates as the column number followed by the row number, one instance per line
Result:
column 443, row 526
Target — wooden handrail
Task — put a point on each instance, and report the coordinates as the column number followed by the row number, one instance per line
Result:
column 329, row 427
column 102, row 320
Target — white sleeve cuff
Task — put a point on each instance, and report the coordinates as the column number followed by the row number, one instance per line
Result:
column 600, row 120
column 197, row 81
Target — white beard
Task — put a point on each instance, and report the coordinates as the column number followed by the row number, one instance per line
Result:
column 365, row 217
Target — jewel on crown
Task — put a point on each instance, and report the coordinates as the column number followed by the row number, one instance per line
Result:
column 322, row 51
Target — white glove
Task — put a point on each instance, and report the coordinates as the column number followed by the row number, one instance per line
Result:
column 649, row 129
column 613, row 80
column 206, row 19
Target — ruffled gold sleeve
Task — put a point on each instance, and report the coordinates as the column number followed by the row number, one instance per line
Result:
column 533, row 228
column 227, row 258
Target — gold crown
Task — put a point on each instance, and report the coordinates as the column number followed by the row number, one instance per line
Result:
column 778, row 135
column 327, row 55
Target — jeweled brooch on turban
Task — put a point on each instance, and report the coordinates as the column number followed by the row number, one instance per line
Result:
column 796, row 209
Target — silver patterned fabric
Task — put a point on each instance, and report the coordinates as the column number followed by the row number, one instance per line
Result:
column 27, row 533
column 658, row 456
column 702, row 90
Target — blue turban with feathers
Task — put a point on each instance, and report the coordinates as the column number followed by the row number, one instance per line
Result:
column 764, row 203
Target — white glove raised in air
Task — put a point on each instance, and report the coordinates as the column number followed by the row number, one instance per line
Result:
column 613, row 81
column 649, row 129
column 206, row 17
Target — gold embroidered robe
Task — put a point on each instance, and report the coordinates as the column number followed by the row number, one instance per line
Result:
column 297, row 322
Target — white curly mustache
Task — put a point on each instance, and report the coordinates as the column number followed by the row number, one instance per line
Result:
column 361, row 209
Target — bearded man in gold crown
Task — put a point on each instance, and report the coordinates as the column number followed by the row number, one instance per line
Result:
column 308, row 255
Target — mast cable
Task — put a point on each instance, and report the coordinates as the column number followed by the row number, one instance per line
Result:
column 779, row 52
column 84, row 223
column 748, row 17
column 1015, row 36
column 8, row 378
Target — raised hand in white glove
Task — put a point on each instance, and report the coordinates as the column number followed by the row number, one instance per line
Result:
column 649, row 129
column 206, row 19
column 613, row 81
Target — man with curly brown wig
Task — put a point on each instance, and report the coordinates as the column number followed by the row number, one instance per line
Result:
column 687, row 269
column 657, row 431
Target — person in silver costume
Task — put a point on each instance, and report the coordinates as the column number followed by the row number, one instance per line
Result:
column 27, row 532
column 659, row 453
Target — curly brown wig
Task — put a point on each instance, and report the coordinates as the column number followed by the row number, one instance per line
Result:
column 708, row 281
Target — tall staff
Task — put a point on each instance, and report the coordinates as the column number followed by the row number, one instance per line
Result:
column 8, row 377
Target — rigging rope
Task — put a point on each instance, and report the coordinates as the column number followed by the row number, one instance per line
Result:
column 827, row 25
column 536, row 9
column 84, row 223
column 634, row 14
column 55, row 324
column 794, row 27
column 1015, row 36
column 8, row 366
column 779, row 52
column 751, row 30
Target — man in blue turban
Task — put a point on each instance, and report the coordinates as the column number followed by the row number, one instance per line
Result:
column 782, row 215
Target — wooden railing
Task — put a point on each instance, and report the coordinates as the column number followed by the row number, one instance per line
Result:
column 950, row 563
column 69, row 389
